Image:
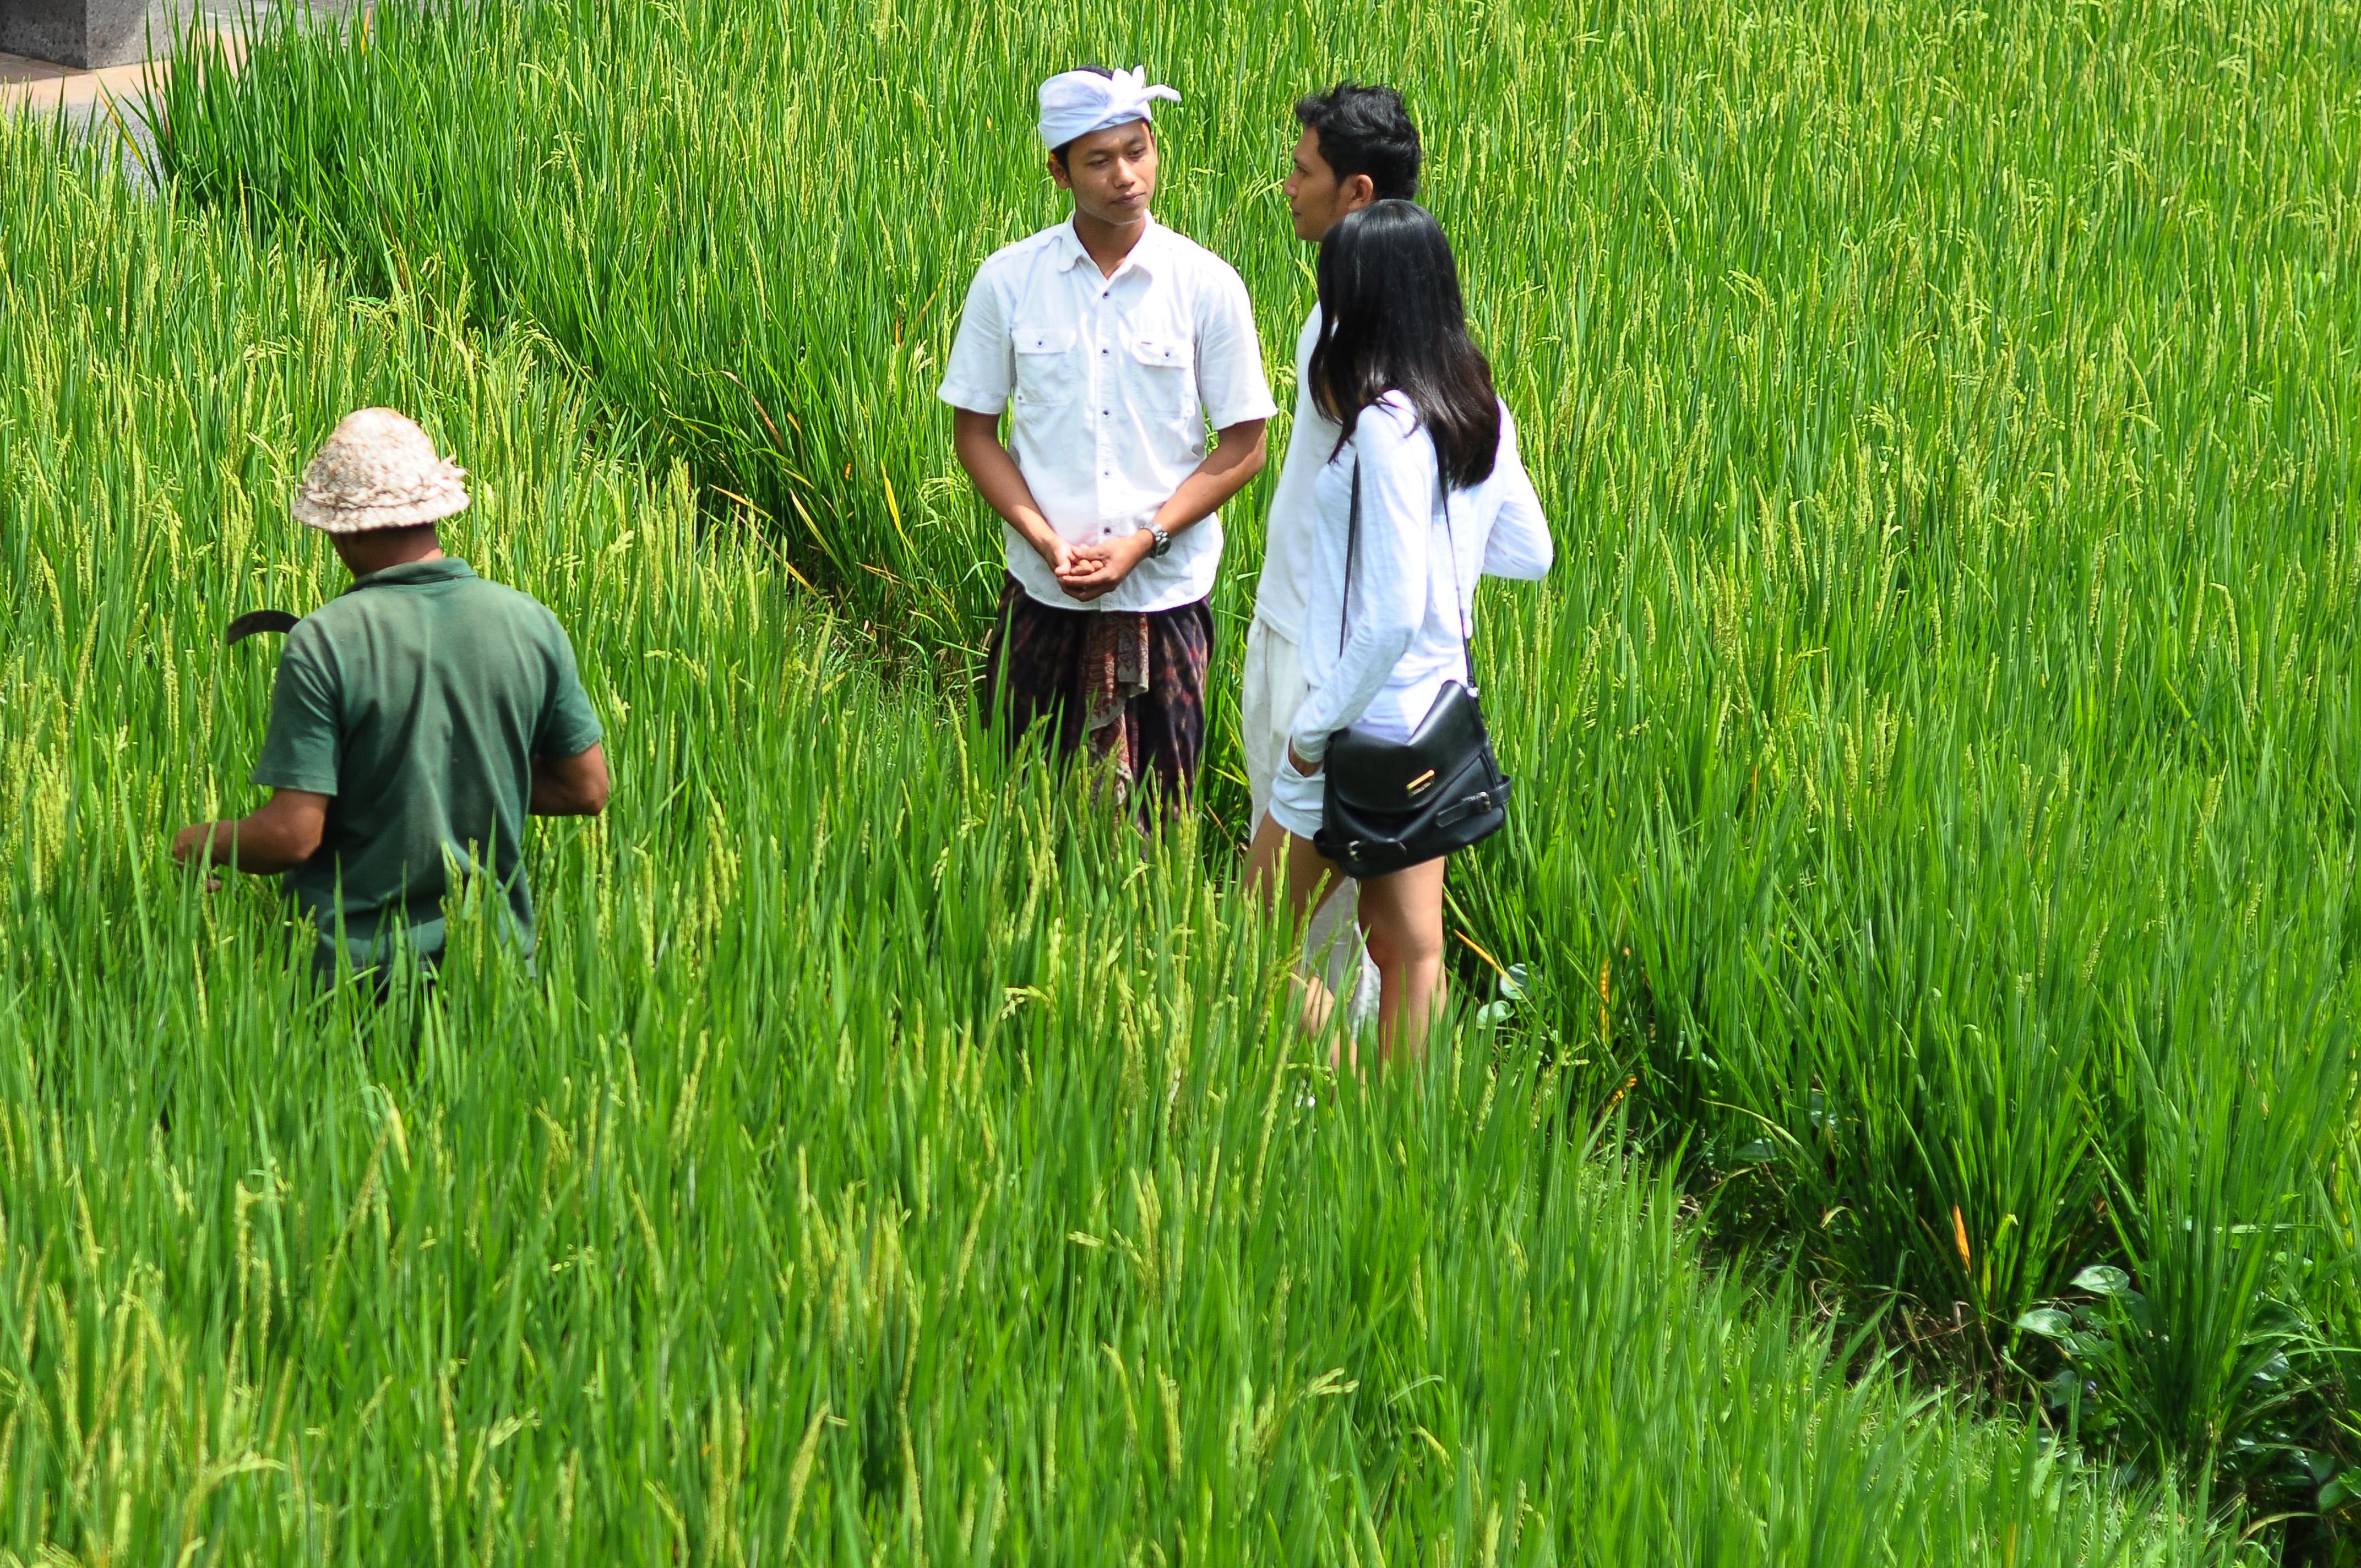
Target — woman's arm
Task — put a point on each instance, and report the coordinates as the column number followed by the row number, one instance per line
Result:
column 1389, row 586
column 1519, row 543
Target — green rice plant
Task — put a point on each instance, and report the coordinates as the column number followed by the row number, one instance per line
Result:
column 1936, row 747
column 2335, row 1285
column 890, row 1160
column 2204, row 1351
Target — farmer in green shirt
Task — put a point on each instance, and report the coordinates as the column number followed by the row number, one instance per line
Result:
column 417, row 719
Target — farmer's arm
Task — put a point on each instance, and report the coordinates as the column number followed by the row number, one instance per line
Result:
column 301, row 757
column 1236, row 457
column 569, row 757
column 570, row 786
column 1238, row 454
column 1237, row 403
column 279, row 838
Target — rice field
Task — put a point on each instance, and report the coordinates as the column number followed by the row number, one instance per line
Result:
column 1904, row 1104
column 889, row 1163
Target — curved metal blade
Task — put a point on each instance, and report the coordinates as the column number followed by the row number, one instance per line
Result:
column 254, row 620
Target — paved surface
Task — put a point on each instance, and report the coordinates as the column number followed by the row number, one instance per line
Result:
column 110, row 106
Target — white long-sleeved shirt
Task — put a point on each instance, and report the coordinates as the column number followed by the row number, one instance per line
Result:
column 1294, row 502
column 1401, row 634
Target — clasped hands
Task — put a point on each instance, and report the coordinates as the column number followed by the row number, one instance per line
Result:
column 1091, row 571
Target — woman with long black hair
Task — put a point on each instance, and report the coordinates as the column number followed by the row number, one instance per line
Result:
column 1442, row 499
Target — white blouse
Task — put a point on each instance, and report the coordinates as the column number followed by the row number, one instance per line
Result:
column 1402, row 633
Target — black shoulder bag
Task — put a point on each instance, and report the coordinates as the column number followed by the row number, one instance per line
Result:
column 1389, row 805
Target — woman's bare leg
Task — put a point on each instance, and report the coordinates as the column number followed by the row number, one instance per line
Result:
column 1403, row 915
column 1267, row 855
column 1289, row 871
column 1266, row 867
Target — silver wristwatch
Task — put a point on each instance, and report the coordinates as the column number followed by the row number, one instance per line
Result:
column 1163, row 541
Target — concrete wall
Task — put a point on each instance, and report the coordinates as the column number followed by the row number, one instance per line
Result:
column 86, row 34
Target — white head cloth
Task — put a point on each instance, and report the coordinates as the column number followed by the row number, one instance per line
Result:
column 1076, row 103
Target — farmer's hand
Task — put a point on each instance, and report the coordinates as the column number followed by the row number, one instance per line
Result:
column 192, row 841
column 1307, row 769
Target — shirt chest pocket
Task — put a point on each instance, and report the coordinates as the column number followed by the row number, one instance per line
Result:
column 1164, row 373
column 1046, row 376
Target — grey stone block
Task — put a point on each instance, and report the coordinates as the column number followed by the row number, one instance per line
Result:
column 85, row 34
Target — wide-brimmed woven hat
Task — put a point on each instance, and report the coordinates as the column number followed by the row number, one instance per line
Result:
column 378, row 470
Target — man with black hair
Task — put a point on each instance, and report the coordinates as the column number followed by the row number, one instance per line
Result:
column 1111, row 343
column 1357, row 146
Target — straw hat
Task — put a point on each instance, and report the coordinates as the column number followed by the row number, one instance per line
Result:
column 378, row 470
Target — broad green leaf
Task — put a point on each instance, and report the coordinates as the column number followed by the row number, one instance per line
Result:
column 2050, row 1322
column 2103, row 1280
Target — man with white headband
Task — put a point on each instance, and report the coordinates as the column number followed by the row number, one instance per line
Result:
column 1113, row 344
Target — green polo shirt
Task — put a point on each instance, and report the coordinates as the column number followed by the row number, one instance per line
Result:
column 418, row 698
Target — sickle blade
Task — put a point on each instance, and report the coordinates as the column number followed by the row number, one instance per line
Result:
column 254, row 620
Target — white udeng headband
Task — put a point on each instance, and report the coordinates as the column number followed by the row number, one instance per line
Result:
column 1076, row 103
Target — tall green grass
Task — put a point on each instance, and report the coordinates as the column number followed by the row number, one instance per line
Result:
column 1938, row 742
column 889, row 1162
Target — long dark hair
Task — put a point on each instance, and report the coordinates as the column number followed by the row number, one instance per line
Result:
column 1392, row 321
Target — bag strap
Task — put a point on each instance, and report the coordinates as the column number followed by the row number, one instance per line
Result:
column 1352, row 548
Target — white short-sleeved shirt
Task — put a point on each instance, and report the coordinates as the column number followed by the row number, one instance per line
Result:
column 1110, row 384
column 1294, row 508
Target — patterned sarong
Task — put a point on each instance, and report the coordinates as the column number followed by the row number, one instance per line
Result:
column 1129, row 686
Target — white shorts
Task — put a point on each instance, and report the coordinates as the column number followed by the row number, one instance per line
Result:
column 1275, row 689
column 1298, row 804
column 1333, row 947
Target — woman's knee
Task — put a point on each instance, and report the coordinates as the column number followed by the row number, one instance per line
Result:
column 1398, row 937
column 1403, row 915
